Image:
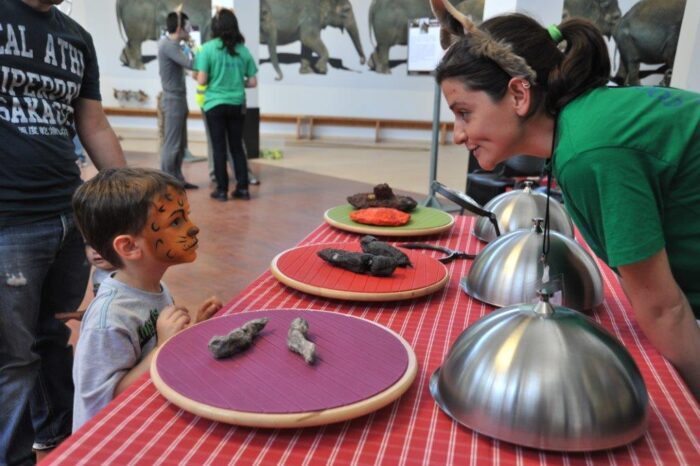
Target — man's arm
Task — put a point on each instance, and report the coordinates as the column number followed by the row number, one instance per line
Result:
column 251, row 82
column 97, row 135
column 664, row 315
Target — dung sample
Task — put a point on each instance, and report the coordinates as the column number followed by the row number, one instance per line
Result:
column 382, row 196
column 238, row 340
column 372, row 245
column 297, row 342
column 359, row 262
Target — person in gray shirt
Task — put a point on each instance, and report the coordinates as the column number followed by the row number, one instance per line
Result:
column 172, row 63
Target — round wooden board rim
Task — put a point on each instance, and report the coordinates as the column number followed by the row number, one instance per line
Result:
column 354, row 295
column 386, row 231
column 294, row 420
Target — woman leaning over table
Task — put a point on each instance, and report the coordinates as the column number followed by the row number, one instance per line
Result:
column 627, row 159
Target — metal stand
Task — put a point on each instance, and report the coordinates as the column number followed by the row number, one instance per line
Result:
column 431, row 200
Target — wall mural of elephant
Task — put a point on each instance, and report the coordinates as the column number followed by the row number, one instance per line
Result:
column 286, row 21
column 388, row 22
column 648, row 33
column 605, row 14
column 143, row 20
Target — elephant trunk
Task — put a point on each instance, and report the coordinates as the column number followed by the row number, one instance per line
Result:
column 272, row 47
column 351, row 26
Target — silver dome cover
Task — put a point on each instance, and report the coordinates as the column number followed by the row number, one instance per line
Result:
column 515, row 210
column 544, row 377
column 510, row 270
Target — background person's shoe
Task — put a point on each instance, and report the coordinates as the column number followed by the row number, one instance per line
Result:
column 241, row 194
column 190, row 185
column 252, row 179
column 190, row 158
column 219, row 196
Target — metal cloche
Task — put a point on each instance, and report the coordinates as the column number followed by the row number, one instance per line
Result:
column 510, row 270
column 514, row 210
column 543, row 376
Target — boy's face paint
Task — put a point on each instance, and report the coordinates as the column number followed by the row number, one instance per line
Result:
column 170, row 233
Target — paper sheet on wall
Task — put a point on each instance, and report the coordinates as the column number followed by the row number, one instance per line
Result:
column 424, row 50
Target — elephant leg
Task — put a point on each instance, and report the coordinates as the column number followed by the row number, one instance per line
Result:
column 632, row 74
column 305, row 60
column 134, row 55
column 382, row 65
column 314, row 43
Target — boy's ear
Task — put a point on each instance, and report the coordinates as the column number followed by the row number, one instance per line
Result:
column 127, row 247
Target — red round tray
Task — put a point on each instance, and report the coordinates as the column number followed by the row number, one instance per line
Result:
column 301, row 268
column 361, row 366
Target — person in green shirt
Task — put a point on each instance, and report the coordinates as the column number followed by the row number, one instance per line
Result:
column 626, row 159
column 227, row 68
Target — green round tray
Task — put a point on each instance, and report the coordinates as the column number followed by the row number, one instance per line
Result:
column 424, row 221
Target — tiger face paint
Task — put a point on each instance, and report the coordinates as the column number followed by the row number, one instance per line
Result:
column 170, row 233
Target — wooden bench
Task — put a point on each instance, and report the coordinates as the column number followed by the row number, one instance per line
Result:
column 305, row 124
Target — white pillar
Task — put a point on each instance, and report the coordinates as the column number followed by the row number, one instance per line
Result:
column 248, row 14
column 545, row 11
column 686, row 67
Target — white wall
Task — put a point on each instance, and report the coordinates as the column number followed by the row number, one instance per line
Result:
column 355, row 91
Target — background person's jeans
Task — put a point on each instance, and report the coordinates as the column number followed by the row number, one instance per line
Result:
column 225, row 123
column 43, row 270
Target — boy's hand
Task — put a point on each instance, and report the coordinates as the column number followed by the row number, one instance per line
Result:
column 171, row 320
column 210, row 307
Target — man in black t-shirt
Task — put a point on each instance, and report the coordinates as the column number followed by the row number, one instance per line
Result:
column 49, row 81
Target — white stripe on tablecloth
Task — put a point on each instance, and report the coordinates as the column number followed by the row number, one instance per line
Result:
column 222, row 442
column 195, row 448
column 422, row 376
column 88, row 435
column 437, row 411
column 657, row 377
column 266, row 447
column 363, row 438
column 314, row 446
column 138, row 433
column 178, row 439
column 241, row 448
column 395, row 408
column 290, row 446
column 338, row 442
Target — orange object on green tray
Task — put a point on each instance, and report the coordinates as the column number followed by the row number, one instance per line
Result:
column 384, row 216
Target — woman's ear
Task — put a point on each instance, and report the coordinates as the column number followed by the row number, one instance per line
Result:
column 520, row 91
column 127, row 247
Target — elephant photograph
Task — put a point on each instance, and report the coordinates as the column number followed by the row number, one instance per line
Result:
column 144, row 20
column 646, row 34
column 388, row 21
column 285, row 22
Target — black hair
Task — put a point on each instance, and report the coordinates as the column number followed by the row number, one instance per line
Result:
column 175, row 20
column 562, row 76
column 225, row 27
column 115, row 202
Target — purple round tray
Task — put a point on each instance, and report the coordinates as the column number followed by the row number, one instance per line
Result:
column 356, row 360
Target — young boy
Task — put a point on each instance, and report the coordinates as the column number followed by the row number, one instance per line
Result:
column 139, row 221
column 102, row 268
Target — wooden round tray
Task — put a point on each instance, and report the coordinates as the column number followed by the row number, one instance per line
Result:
column 361, row 367
column 424, row 221
column 301, row 268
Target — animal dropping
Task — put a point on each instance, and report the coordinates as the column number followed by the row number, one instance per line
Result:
column 297, row 340
column 372, row 245
column 359, row 262
column 382, row 196
column 238, row 340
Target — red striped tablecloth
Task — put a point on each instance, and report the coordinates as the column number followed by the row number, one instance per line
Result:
column 141, row 427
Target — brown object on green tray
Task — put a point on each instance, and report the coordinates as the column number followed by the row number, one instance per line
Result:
column 383, row 196
column 383, row 216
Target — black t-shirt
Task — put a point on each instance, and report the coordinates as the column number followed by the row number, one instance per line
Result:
column 47, row 61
